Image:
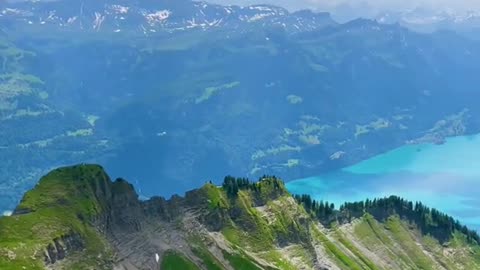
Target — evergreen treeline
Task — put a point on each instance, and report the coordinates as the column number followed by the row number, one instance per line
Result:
column 321, row 210
column 232, row 185
column 429, row 221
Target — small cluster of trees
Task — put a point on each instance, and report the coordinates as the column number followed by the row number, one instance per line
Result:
column 233, row 185
column 321, row 210
column 428, row 220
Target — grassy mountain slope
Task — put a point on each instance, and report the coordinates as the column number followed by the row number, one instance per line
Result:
column 54, row 219
column 76, row 218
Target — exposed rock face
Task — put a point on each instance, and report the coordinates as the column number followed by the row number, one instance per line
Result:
column 61, row 247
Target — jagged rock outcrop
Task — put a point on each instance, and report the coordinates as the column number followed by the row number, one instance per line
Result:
column 61, row 247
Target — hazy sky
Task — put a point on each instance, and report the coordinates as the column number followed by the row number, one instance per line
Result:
column 348, row 9
column 457, row 5
column 460, row 5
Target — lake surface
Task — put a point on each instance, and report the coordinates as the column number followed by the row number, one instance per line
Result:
column 446, row 177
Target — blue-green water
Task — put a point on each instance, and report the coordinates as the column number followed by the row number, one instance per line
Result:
column 446, row 177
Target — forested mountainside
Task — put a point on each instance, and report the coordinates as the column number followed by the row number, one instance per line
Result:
column 77, row 218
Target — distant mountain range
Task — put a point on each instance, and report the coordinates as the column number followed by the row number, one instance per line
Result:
column 429, row 21
column 149, row 17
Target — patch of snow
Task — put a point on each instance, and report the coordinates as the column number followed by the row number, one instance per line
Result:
column 7, row 213
column 192, row 23
column 14, row 11
column 259, row 16
column 215, row 22
column 51, row 15
column 158, row 16
column 120, row 9
column 72, row 20
column 261, row 8
column 97, row 23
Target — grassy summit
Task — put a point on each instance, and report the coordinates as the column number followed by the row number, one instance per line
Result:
column 60, row 206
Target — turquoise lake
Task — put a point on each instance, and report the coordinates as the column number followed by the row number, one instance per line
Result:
column 446, row 177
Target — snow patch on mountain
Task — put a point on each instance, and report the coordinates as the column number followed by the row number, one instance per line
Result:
column 120, row 9
column 259, row 16
column 157, row 17
column 99, row 19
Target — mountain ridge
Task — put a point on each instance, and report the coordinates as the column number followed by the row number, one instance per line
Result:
column 82, row 220
column 149, row 17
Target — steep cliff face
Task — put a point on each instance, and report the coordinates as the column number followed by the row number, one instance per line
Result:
column 77, row 218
